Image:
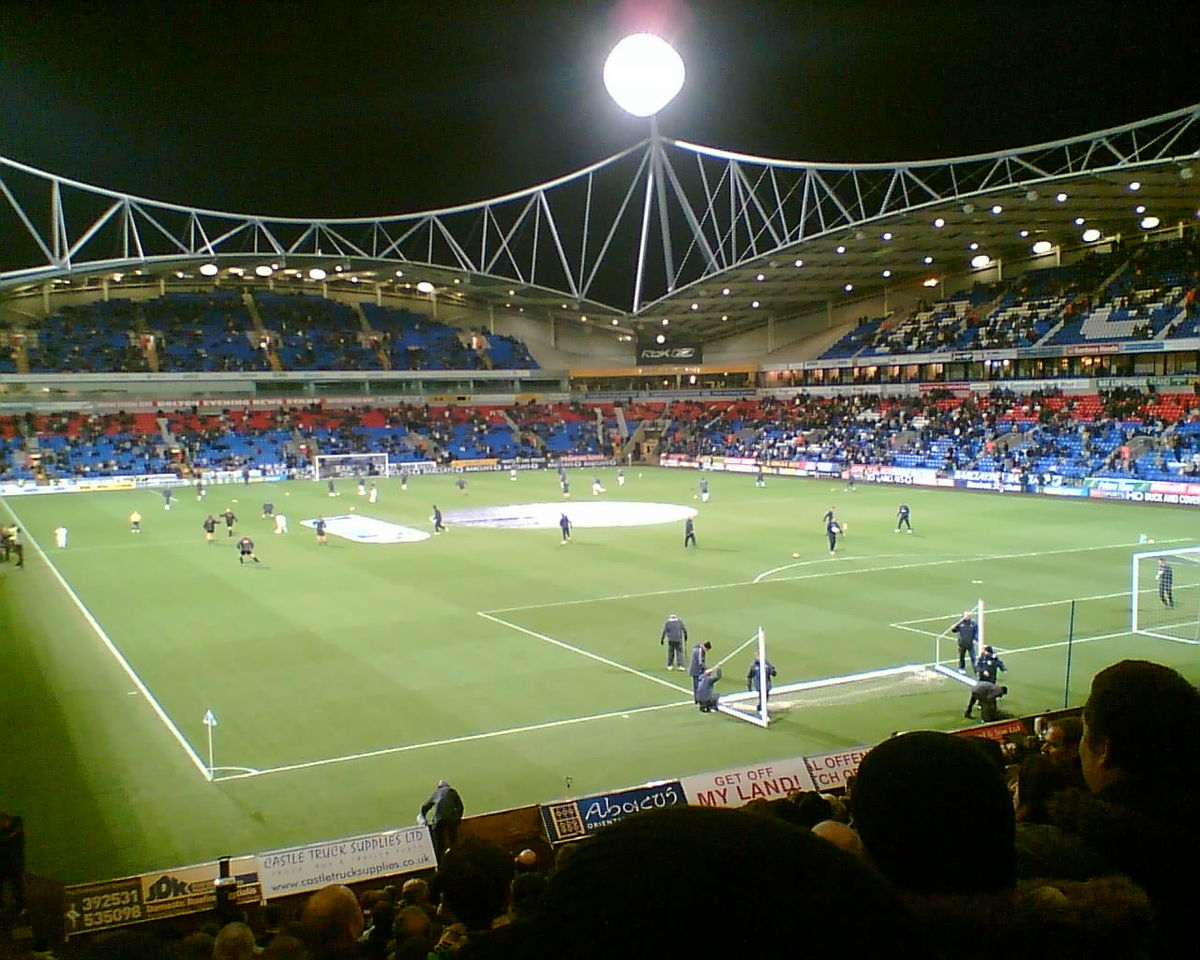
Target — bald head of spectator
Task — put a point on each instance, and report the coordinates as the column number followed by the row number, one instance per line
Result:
column 841, row 835
column 1139, row 721
column 526, row 861
column 332, row 918
column 234, row 942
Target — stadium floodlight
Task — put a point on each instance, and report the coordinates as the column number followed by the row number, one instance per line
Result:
column 424, row 287
column 1149, row 223
column 263, row 270
column 1091, row 235
column 643, row 73
column 660, row 339
column 1042, row 247
column 980, row 261
column 208, row 270
column 316, row 273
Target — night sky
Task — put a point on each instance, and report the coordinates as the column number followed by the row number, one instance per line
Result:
column 375, row 108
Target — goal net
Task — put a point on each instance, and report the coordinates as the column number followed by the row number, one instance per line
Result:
column 1164, row 594
column 332, row 466
column 766, row 698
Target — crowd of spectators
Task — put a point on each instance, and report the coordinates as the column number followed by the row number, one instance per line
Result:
column 1145, row 293
column 1075, row 843
column 1046, row 436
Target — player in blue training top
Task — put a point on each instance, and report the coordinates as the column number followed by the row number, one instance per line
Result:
column 833, row 530
column 1166, row 583
column 967, row 630
column 167, row 498
column 461, row 483
column 564, row 524
column 829, row 517
column 438, row 527
column 689, row 532
column 320, row 528
column 902, row 518
column 566, row 486
column 759, row 479
column 704, row 490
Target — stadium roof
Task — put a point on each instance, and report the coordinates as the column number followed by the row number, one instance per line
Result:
column 709, row 241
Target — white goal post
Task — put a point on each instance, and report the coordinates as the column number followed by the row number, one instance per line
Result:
column 1164, row 598
column 945, row 645
column 333, row 466
column 772, row 699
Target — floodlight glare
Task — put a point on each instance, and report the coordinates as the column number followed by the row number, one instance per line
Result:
column 660, row 339
column 980, row 261
column 316, row 273
column 1042, row 247
column 1091, row 235
column 208, row 269
column 262, row 270
column 424, row 287
column 1149, row 223
column 643, row 74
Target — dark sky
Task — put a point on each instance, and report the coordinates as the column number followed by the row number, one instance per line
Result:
column 373, row 108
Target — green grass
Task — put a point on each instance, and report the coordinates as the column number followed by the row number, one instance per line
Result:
column 353, row 676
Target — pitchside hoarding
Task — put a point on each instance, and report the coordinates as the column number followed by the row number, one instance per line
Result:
column 575, row 819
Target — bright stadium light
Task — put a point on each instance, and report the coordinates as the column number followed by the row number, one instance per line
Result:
column 1091, row 235
column 208, row 269
column 424, row 287
column 1042, row 247
column 643, row 74
column 1149, row 223
column 980, row 261
column 263, row 270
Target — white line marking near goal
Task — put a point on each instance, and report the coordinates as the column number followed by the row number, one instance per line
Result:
column 585, row 653
column 808, row 563
column 904, row 624
column 450, row 741
column 112, row 648
column 841, row 571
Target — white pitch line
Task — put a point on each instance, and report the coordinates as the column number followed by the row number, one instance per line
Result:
column 112, row 648
column 835, row 573
column 584, row 653
column 808, row 563
column 449, row 741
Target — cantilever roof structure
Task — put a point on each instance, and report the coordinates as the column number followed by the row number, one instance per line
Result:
column 710, row 240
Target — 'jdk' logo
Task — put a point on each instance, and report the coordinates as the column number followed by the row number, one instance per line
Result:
column 164, row 888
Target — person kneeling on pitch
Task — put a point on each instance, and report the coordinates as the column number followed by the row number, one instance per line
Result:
column 706, row 694
column 986, row 693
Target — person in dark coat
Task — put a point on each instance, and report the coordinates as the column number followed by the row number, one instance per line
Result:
column 442, row 813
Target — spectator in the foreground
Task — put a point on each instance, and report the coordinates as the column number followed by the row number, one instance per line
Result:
column 1140, row 755
column 935, row 814
column 474, row 879
column 708, row 882
column 331, row 923
column 1061, row 739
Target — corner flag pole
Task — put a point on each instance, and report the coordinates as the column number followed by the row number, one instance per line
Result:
column 210, row 721
column 764, row 675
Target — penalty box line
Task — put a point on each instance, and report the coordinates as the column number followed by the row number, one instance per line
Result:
column 562, row 644
column 249, row 773
column 840, row 572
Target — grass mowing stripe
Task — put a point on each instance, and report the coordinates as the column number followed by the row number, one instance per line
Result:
column 112, row 648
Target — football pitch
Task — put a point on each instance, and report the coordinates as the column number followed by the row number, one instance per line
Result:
column 345, row 679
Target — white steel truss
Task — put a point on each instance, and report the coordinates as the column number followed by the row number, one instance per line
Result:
column 627, row 232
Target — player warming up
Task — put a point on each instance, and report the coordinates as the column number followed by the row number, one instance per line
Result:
column 210, row 527
column 246, row 550
column 319, row 526
column 689, row 532
column 230, row 520
column 135, row 522
column 564, row 524
column 438, row 526
column 833, row 530
column 902, row 518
